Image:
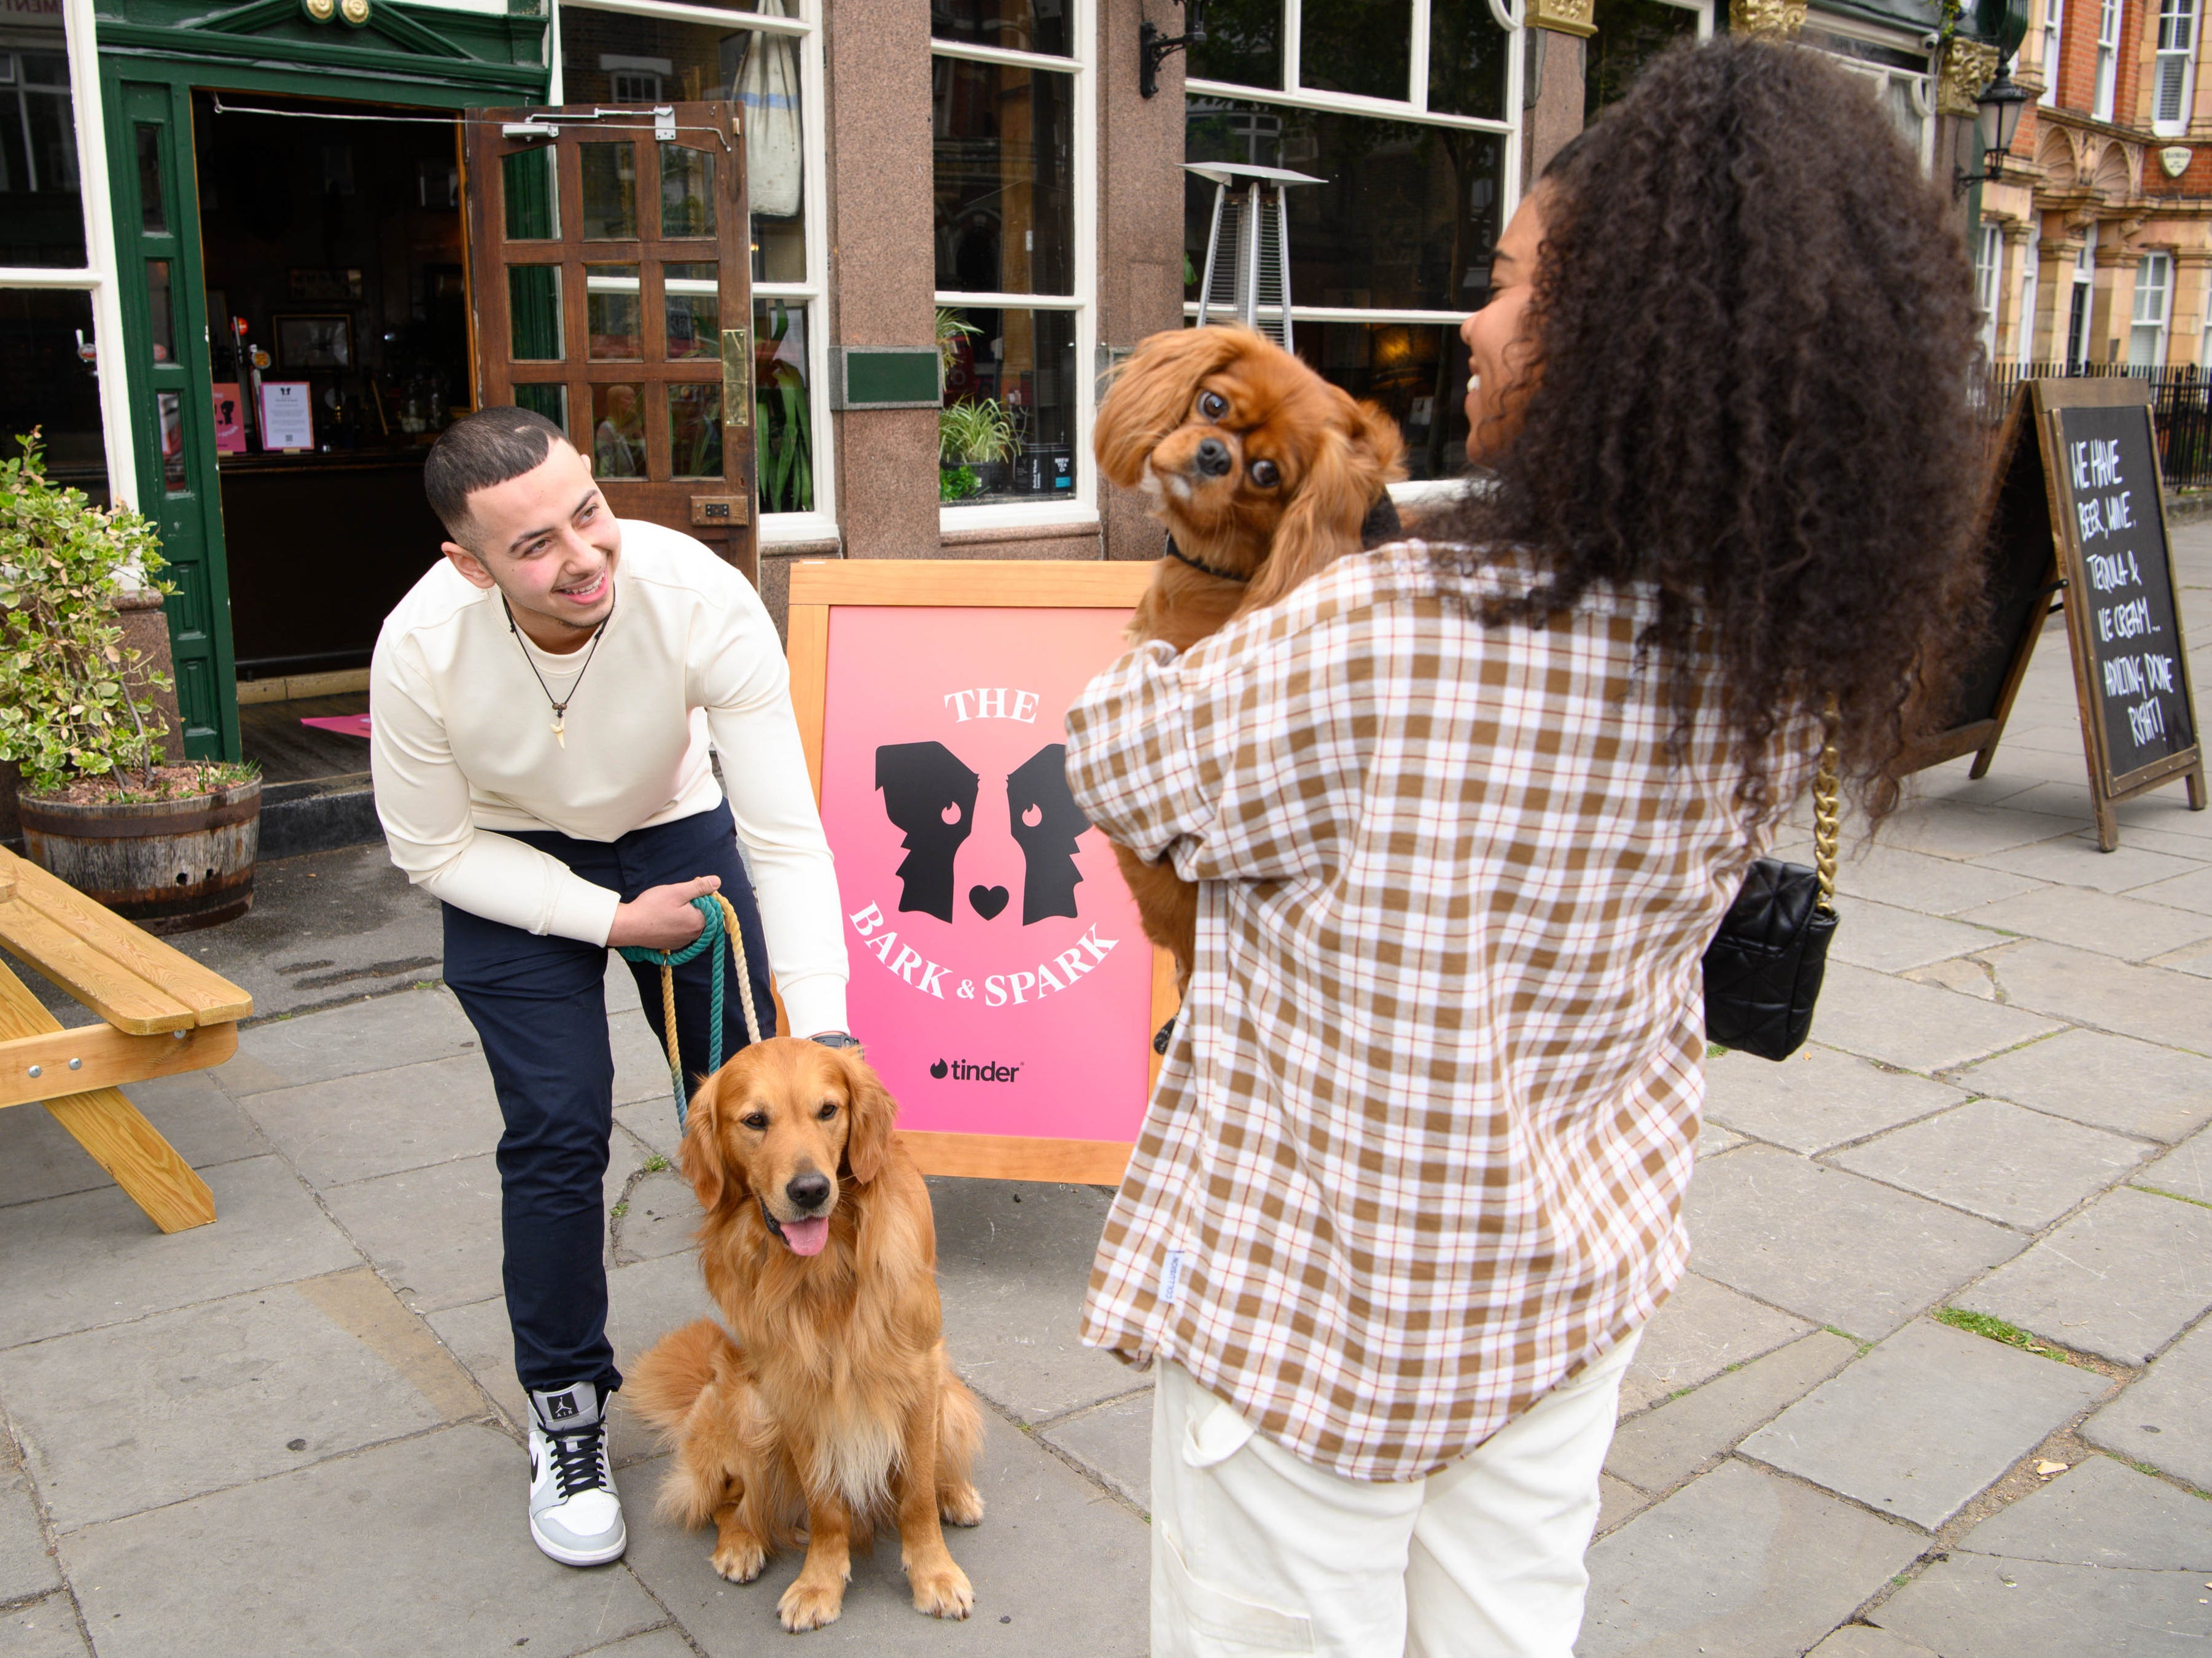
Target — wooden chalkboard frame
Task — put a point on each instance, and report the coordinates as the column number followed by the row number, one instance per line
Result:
column 819, row 586
column 2024, row 582
column 2051, row 398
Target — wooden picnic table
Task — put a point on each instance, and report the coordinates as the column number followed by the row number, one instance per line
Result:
column 163, row 1012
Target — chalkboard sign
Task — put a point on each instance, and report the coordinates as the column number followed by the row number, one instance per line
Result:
column 2099, row 454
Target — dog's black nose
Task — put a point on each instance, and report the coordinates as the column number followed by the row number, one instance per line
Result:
column 808, row 1191
column 1212, row 456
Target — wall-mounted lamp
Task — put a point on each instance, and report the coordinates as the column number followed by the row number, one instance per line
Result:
column 1153, row 47
column 2002, row 104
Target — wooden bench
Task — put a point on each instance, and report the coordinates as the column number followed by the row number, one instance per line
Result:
column 165, row 1013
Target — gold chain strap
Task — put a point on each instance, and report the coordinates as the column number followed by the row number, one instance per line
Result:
column 1826, row 814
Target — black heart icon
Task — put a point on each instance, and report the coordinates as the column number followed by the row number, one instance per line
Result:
column 938, row 1070
column 988, row 901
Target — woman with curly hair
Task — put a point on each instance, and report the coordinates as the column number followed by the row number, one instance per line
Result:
column 1464, row 815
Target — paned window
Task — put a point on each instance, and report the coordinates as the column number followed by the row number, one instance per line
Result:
column 1012, row 133
column 2153, row 308
column 765, row 55
column 1408, row 113
column 2177, row 58
column 2108, row 58
column 1631, row 33
column 2054, row 21
column 2079, row 301
column 1989, row 267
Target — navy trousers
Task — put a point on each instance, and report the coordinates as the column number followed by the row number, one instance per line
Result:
column 539, row 1007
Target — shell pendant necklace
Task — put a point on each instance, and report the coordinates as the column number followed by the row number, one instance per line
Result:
column 560, row 705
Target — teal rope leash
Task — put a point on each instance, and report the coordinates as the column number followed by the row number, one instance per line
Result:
column 720, row 922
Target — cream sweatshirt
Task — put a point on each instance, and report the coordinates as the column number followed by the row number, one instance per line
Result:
column 462, row 747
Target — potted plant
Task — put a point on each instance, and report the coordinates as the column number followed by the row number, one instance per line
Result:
column 172, row 847
column 976, row 435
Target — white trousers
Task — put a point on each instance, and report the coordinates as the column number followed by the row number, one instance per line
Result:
column 1257, row 1551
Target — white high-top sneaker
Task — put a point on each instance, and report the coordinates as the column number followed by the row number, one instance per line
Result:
column 574, row 1514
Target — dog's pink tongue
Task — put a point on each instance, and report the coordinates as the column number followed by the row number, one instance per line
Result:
column 806, row 1237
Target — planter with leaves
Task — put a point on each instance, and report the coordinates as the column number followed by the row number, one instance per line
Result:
column 977, row 437
column 170, row 846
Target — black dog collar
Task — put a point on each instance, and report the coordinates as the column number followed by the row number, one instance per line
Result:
column 1380, row 526
column 1177, row 553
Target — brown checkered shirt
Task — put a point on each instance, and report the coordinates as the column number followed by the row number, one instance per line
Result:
column 1419, row 1151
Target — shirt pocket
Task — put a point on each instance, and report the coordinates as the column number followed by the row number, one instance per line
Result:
column 1211, row 1623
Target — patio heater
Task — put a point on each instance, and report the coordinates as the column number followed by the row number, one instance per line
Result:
column 1247, row 251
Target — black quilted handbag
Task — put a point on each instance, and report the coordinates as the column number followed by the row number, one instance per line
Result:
column 1763, row 967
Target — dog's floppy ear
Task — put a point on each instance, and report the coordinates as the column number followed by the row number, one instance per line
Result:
column 1355, row 461
column 1151, row 393
column 868, row 1141
column 701, row 1157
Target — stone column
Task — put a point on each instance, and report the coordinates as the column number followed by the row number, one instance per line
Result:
column 2054, row 295
column 2192, row 308
column 2111, row 309
column 882, row 263
column 1552, row 84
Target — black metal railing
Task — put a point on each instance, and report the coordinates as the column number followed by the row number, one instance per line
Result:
column 2181, row 409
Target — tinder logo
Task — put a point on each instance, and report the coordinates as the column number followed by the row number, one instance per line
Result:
column 971, row 1071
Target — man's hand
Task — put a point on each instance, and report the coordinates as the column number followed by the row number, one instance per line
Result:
column 661, row 918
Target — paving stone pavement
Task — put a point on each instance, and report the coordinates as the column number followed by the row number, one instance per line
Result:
column 1939, row 1380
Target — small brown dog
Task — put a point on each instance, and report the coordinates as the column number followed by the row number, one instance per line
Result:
column 835, row 1406
column 1263, row 472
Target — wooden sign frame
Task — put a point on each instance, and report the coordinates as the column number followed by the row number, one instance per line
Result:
column 819, row 586
column 2051, row 398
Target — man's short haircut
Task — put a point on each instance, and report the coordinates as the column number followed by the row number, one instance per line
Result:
column 479, row 451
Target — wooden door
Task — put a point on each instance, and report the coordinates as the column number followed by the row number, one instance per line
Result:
column 609, row 265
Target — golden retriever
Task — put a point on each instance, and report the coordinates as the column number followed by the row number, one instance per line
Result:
column 835, row 1406
column 1263, row 473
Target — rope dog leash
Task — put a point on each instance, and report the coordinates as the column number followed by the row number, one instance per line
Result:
column 721, row 922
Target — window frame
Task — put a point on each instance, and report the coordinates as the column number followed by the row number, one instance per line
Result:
column 1082, row 512
column 2054, row 29
column 1989, row 283
column 96, row 276
column 805, row 296
column 2185, row 56
column 2163, row 323
column 1413, row 110
column 2110, row 15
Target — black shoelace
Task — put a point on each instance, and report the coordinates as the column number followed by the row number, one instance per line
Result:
column 576, row 1460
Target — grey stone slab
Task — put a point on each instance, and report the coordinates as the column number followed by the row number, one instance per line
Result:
column 1013, row 1259
column 663, row 1218
column 644, row 1302
column 1862, row 1640
column 2151, row 1003
column 1701, row 1330
column 1661, row 1448
column 1818, row 1098
column 1995, row 1160
column 93, row 1258
column 378, row 1122
column 2120, row 1279
column 1955, row 830
column 653, row 1120
column 1920, row 1027
column 46, row 1629
column 2191, row 892
column 2108, row 1082
column 1713, row 1139
column 2185, row 1171
column 433, row 1233
column 25, row 1568
column 2165, row 1417
column 1925, row 1422
column 1913, row 880
column 2087, row 919
column 1114, row 1442
column 40, row 1158
column 2193, row 959
column 666, row 1642
column 1058, row 1566
column 1830, row 1246
column 1618, row 1502
column 1736, row 1564
column 2075, row 861
column 2101, row 1513
column 1972, row 1606
column 416, row 1546
column 410, row 1028
column 126, row 1419
column 1889, row 939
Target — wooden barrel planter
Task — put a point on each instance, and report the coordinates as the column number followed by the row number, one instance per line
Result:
column 170, row 866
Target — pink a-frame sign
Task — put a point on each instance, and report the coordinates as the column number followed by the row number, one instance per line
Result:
column 1001, row 981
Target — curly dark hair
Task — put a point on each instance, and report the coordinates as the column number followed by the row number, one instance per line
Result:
column 1755, row 319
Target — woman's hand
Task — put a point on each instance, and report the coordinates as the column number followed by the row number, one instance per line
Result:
column 661, row 918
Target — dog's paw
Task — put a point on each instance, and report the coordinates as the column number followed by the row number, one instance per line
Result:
column 740, row 1559
column 942, row 1590
column 806, row 1605
column 962, row 1505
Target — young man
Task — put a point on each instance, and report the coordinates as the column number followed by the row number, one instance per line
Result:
column 543, row 702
